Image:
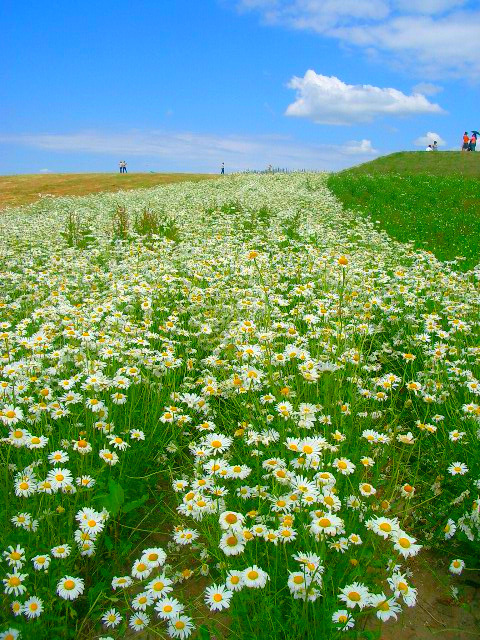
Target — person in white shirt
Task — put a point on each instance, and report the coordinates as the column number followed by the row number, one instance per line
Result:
column 429, row 148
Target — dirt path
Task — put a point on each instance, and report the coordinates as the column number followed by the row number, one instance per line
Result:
column 437, row 615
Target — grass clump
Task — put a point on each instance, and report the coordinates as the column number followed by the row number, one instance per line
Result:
column 437, row 213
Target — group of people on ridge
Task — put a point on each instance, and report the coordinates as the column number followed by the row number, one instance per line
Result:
column 469, row 142
column 123, row 166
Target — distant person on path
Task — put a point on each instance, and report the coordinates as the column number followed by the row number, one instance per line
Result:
column 222, row 171
column 466, row 140
column 473, row 143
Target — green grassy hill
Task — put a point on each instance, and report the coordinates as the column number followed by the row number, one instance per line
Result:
column 437, row 163
column 432, row 199
column 23, row 189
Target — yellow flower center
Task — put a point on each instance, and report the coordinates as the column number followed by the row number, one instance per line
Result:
column 404, row 543
column 354, row 596
column 68, row 585
column 252, row 575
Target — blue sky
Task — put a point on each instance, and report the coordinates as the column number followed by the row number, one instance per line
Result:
column 183, row 85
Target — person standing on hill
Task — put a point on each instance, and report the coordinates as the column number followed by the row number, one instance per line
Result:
column 466, row 140
column 473, row 143
column 124, row 167
column 222, row 171
column 120, row 165
column 435, row 146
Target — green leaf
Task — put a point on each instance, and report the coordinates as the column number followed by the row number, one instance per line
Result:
column 134, row 504
column 204, row 633
column 113, row 500
column 108, row 542
column 116, row 492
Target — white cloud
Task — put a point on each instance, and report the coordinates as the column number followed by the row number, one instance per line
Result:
column 432, row 38
column 201, row 152
column 328, row 100
column 428, row 6
column 427, row 88
column 359, row 147
column 429, row 138
column 44, row 171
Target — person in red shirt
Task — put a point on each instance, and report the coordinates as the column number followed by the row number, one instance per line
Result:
column 466, row 140
column 473, row 142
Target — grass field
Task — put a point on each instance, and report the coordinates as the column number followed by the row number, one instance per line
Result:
column 438, row 163
column 231, row 409
column 432, row 199
column 23, row 189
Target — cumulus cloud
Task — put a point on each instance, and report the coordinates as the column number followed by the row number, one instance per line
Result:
column 435, row 38
column 359, row 147
column 328, row 100
column 201, row 152
column 44, row 171
column 429, row 138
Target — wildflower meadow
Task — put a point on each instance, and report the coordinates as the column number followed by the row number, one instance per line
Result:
column 228, row 408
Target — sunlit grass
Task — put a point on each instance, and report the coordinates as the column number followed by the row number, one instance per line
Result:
column 16, row 190
column 437, row 213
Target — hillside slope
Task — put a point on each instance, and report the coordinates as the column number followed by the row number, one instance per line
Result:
column 439, row 163
column 23, row 189
column 430, row 199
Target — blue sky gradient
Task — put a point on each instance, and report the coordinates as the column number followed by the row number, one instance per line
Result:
column 183, row 86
